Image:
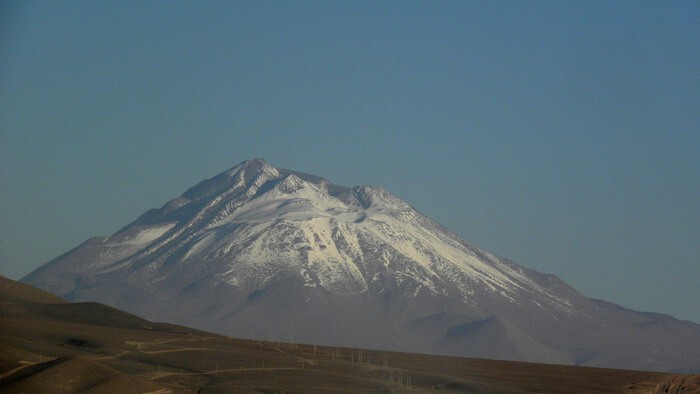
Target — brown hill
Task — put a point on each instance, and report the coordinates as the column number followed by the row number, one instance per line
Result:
column 49, row 345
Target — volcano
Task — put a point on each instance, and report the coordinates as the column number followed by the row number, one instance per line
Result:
column 266, row 253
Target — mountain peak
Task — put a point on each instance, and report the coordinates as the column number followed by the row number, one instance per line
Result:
column 258, row 160
column 256, row 164
column 250, row 169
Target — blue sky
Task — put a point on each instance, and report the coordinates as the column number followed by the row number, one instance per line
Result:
column 562, row 135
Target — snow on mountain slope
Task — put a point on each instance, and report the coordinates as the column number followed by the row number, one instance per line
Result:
column 328, row 234
column 259, row 251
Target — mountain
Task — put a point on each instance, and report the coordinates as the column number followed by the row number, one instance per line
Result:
column 48, row 345
column 262, row 252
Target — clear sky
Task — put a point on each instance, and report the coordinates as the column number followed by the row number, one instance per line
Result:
column 562, row 135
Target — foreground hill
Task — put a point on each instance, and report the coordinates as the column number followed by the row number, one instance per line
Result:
column 48, row 345
column 261, row 252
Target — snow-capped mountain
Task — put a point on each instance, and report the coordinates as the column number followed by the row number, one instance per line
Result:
column 263, row 252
